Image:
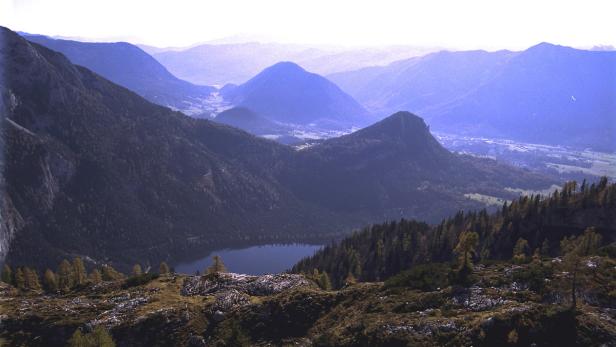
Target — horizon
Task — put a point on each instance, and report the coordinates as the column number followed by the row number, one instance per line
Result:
column 461, row 27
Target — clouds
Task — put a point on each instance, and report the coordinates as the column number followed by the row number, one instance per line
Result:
column 460, row 24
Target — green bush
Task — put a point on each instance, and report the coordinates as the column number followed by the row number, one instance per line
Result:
column 426, row 277
column 139, row 280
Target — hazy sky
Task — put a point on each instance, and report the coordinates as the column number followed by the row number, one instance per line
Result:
column 486, row 24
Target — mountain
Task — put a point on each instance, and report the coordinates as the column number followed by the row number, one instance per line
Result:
column 421, row 83
column 383, row 170
column 565, row 93
column 223, row 63
column 131, row 67
column 93, row 169
column 245, row 119
column 287, row 93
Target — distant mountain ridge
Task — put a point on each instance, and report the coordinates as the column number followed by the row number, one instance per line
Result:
column 546, row 94
column 223, row 63
column 287, row 93
column 130, row 67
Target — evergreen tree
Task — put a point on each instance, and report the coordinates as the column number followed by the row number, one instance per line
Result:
column 217, row 265
column 50, row 282
column 545, row 248
column 136, row 270
column 65, row 276
column 7, row 274
column 80, row 274
column 95, row 277
column 20, row 279
column 163, row 269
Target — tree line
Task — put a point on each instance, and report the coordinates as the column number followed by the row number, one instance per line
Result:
column 69, row 276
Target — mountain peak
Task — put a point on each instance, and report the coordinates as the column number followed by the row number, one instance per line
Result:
column 399, row 124
column 287, row 93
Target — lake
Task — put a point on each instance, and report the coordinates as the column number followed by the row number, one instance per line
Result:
column 255, row 260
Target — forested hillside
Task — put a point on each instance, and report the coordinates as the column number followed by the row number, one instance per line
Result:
column 541, row 222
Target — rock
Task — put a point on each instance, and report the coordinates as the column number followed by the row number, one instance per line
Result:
column 218, row 316
column 251, row 285
column 196, row 341
column 229, row 300
column 488, row 323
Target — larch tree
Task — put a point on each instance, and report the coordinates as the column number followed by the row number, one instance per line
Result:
column 217, row 265
column 137, row 270
column 7, row 274
column 20, row 279
column 575, row 249
column 50, row 282
column 163, row 269
column 520, row 251
column 80, row 274
column 65, row 276
column 95, row 277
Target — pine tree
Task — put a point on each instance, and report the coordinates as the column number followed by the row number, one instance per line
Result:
column 80, row 275
column 65, row 276
column 95, row 277
column 7, row 274
column 163, row 269
column 545, row 248
column 50, row 282
column 217, row 265
column 20, row 279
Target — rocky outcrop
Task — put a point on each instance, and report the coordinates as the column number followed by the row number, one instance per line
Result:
column 246, row 284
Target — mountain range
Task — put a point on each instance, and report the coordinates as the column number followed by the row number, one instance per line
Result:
column 566, row 94
column 93, row 169
column 223, row 63
column 131, row 67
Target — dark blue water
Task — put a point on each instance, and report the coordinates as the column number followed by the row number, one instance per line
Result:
column 256, row 260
